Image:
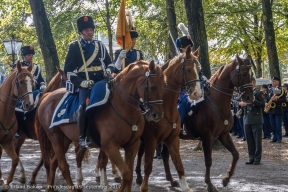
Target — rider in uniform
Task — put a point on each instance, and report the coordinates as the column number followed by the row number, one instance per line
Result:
column 27, row 55
column 39, row 83
column 130, row 56
column 276, row 113
column 96, row 59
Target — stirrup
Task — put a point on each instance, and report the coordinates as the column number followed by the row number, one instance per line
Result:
column 83, row 144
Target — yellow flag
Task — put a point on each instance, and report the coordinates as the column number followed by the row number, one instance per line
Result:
column 123, row 31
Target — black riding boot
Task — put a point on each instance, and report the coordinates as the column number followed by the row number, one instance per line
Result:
column 82, row 128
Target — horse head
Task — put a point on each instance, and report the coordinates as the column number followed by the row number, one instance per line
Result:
column 241, row 78
column 24, row 84
column 186, row 72
column 151, row 94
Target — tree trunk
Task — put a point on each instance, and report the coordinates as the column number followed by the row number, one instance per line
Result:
column 45, row 38
column 197, row 30
column 108, row 24
column 270, row 38
column 170, row 10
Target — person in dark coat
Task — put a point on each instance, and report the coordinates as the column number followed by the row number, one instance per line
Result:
column 285, row 109
column 277, row 95
column 27, row 55
column 266, row 118
column 98, row 63
column 130, row 56
column 253, row 120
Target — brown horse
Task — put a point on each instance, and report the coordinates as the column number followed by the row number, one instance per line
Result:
column 168, row 128
column 26, row 128
column 212, row 117
column 18, row 86
column 120, row 123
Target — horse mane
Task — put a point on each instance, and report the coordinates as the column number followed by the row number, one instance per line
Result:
column 218, row 72
column 52, row 82
column 130, row 67
column 166, row 65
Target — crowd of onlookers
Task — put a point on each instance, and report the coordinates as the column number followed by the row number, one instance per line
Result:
column 261, row 119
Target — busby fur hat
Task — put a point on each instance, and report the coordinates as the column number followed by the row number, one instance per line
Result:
column 275, row 79
column 184, row 41
column 133, row 34
column 27, row 50
column 85, row 22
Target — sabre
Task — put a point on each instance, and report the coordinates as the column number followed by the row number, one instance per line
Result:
column 177, row 51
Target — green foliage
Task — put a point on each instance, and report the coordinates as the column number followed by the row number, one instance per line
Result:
column 230, row 26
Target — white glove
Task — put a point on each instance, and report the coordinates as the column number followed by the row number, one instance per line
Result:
column 107, row 72
column 122, row 54
column 42, row 86
column 87, row 84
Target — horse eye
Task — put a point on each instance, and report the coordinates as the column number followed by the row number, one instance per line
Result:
column 153, row 88
column 21, row 82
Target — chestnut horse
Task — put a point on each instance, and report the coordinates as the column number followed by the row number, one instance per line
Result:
column 212, row 118
column 26, row 128
column 18, row 86
column 168, row 128
column 120, row 123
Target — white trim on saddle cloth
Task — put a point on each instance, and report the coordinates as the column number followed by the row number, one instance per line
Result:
column 56, row 110
column 105, row 99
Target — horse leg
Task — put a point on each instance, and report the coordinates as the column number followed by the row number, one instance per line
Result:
column 117, row 177
column 10, row 150
column 207, row 147
column 79, row 157
column 1, row 179
column 115, row 157
column 140, row 154
column 60, row 148
column 51, row 178
column 35, row 172
column 227, row 142
column 165, row 159
column 199, row 146
column 149, row 153
column 173, row 145
column 18, row 144
column 102, row 164
column 130, row 154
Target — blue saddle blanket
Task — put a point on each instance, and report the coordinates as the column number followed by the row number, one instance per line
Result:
column 66, row 110
column 36, row 96
column 186, row 106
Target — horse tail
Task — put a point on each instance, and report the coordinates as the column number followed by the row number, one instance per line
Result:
column 45, row 144
column 86, row 156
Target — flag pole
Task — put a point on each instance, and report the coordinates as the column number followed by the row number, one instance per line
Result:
column 124, row 58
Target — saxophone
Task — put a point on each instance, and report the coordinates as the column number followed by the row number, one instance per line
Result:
column 271, row 103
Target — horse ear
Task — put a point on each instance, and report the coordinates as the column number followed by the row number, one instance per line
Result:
column 238, row 58
column 152, row 66
column 197, row 52
column 19, row 66
column 188, row 50
column 30, row 67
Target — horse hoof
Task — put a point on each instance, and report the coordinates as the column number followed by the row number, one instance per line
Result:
column 22, row 180
column 97, row 179
column 4, row 188
column 212, row 189
column 139, row 180
column 32, row 183
column 117, row 179
column 174, row 183
column 225, row 182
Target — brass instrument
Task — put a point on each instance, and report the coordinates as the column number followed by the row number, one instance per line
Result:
column 271, row 103
column 284, row 104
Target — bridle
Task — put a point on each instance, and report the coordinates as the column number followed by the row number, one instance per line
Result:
column 20, row 97
column 240, row 88
column 145, row 104
column 185, row 82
